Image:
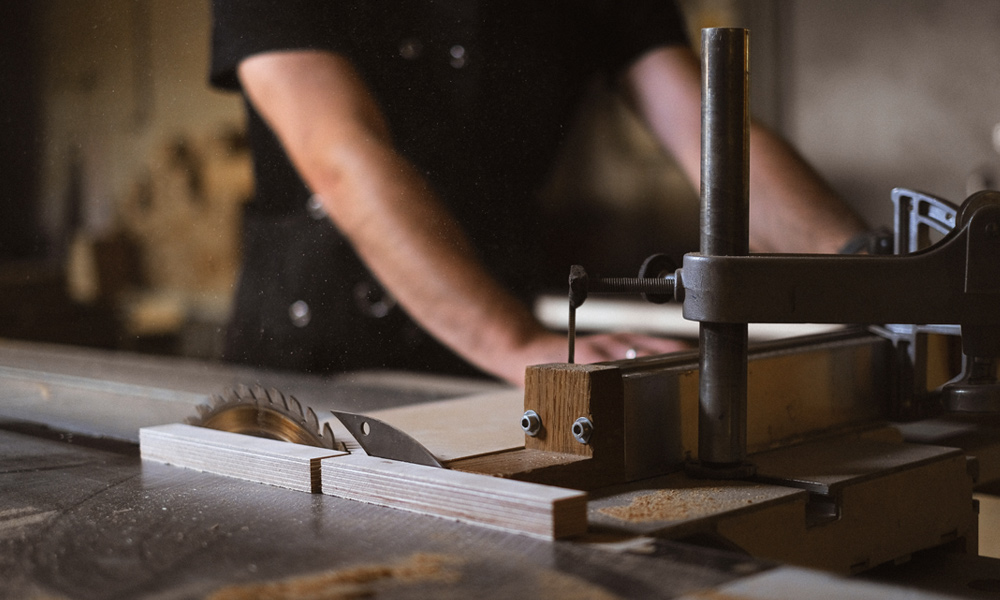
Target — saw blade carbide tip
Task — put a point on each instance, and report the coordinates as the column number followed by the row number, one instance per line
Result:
column 328, row 439
column 294, row 407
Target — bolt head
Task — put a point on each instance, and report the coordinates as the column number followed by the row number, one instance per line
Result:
column 582, row 430
column 531, row 423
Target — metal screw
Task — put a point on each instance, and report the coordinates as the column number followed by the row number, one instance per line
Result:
column 531, row 423
column 582, row 430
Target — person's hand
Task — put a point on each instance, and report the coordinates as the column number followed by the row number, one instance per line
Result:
column 553, row 348
column 616, row 346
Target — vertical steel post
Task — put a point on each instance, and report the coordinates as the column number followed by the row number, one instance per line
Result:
column 725, row 231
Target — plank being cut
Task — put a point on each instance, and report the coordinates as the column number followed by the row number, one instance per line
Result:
column 283, row 464
column 517, row 506
column 463, row 427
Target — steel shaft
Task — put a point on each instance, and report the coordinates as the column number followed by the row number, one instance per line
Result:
column 725, row 231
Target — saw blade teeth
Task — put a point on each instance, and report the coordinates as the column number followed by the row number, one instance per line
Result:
column 294, row 407
column 259, row 410
column 328, row 440
column 278, row 401
column 311, row 419
column 260, row 395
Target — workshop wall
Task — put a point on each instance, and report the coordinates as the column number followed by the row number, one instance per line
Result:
column 876, row 94
column 894, row 93
column 19, row 233
column 143, row 167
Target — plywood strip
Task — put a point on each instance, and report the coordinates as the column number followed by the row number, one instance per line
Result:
column 282, row 464
column 517, row 506
column 460, row 428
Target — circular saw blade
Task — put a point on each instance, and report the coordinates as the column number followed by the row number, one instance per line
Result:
column 265, row 413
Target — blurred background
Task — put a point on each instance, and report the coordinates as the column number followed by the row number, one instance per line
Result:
column 122, row 175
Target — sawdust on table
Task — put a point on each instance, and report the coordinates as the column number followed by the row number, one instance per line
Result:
column 554, row 585
column 673, row 505
column 348, row 583
column 715, row 595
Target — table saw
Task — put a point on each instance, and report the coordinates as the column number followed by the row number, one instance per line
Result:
column 829, row 465
column 83, row 516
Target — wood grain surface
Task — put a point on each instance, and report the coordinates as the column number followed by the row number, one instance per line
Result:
column 463, row 427
column 515, row 506
column 283, row 464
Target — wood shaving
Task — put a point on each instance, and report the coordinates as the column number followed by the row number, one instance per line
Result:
column 715, row 595
column 669, row 505
column 349, row 583
column 560, row 586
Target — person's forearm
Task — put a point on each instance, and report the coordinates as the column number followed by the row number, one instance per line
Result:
column 792, row 209
column 417, row 250
column 337, row 139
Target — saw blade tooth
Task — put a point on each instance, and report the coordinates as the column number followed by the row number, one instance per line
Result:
column 311, row 419
column 277, row 400
column 328, row 440
column 294, row 407
column 237, row 394
column 260, row 395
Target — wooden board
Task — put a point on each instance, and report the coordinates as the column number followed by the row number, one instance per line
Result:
column 871, row 502
column 464, row 427
column 516, row 506
column 283, row 464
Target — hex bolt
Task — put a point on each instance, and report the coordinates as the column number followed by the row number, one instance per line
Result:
column 582, row 430
column 531, row 423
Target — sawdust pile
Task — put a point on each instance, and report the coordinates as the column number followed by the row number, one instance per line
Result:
column 668, row 505
column 715, row 595
column 346, row 584
column 560, row 586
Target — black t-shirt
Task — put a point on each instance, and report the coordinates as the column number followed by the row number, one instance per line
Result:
column 478, row 95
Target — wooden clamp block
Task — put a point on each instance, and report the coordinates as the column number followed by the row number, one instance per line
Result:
column 561, row 394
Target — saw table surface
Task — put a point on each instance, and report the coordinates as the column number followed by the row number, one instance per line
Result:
column 85, row 521
column 79, row 522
